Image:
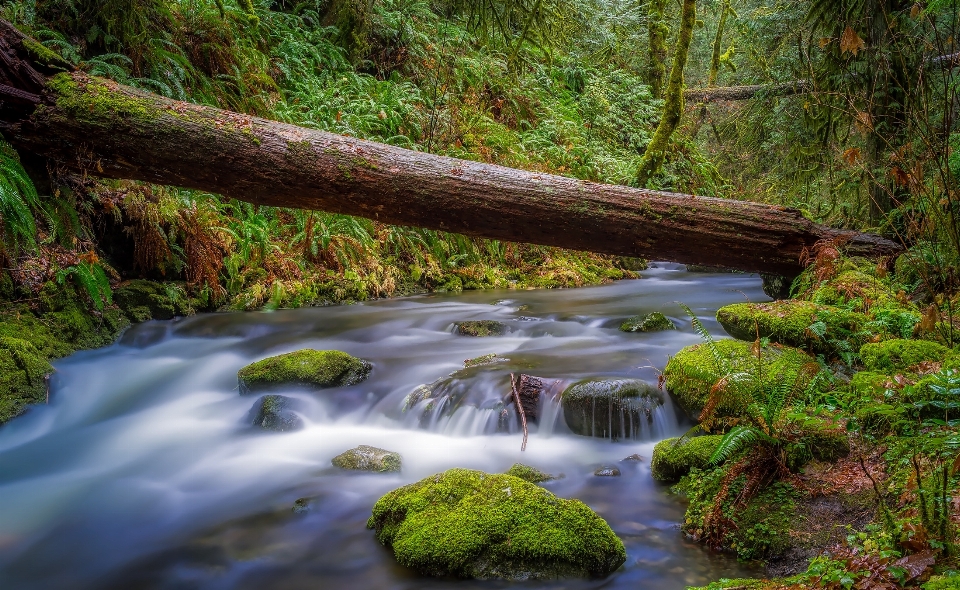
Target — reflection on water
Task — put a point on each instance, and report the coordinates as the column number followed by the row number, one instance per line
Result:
column 143, row 472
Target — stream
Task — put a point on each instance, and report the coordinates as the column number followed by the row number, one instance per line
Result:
column 144, row 470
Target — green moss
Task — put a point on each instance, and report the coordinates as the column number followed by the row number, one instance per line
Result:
column 814, row 438
column 651, row 322
column 900, row 354
column 142, row 300
column 949, row 581
column 693, row 371
column 481, row 328
column 487, row 359
column 761, row 529
column 468, row 523
column 86, row 98
column 671, row 460
column 818, row 328
column 610, row 408
column 43, row 54
column 527, row 473
column 309, row 368
column 367, row 458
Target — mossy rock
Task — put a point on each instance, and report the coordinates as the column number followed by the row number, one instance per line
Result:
column 869, row 383
column 816, row 439
column 487, row 359
column 367, row 458
column 471, row 524
column 481, row 328
column 142, row 300
column 898, row 355
column 788, row 322
column 610, row 408
column 855, row 284
column 674, row 457
column 531, row 474
column 22, row 376
column 692, row 372
column 651, row 322
column 273, row 412
column 303, row 368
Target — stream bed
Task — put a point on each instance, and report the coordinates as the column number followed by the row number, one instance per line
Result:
column 144, row 470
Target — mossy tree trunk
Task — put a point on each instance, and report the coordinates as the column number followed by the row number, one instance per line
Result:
column 717, row 40
column 673, row 103
column 107, row 129
column 657, row 29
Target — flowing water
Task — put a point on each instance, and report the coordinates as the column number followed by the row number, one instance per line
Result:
column 144, row 470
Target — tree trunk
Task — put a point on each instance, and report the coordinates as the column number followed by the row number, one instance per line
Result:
column 104, row 128
column 717, row 42
column 657, row 30
column 655, row 154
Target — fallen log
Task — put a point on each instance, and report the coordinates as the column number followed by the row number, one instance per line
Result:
column 722, row 93
column 107, row 129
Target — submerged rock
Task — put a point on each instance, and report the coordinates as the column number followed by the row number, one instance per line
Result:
column 366, row 458
column 274, row 413
column 472, row 524
column 480, row 328
column 531, row 474
column 674, row 457
column 607, row 472
column 691, row 374
column 651, row 322
column 304, row 368
column 614, row 408
column 487, row 359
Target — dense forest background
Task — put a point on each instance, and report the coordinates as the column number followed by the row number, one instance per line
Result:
column 861, row 138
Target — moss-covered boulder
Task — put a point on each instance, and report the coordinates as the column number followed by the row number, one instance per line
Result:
column 691, row 373
column 142, row 300
column 675, row 457
column 275, row 412
column 480, row 328
column 23, row 370
column 801, row 324
column 651, row 322
column 814, row 438
column 531, row 474
column 472, row 524
column 898, row 355
column 367, row 458
column 610, row 408
column 303, row 368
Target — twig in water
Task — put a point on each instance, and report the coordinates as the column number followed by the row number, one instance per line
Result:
column 523, row 415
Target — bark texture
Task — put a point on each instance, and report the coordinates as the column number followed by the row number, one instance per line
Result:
column 104, row 128
column 655, row 153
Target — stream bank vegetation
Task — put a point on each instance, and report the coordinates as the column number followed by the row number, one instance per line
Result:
column 830, row 425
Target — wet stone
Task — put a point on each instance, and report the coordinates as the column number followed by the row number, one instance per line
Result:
column 367, row 458
column 274, row 412
column 480, row 328
column 607, row 472
column 634, row 458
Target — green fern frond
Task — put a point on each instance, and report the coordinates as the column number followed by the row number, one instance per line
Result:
column 738, row 439
column 719, row 359
column 92, row 279
column 18, row 198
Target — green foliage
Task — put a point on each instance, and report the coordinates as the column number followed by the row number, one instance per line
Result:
column 92, row 279
column 18, row 201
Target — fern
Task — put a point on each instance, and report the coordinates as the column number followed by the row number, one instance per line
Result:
column 92, row 279
column 18, row 197
column 721, row 362
column 735, row 441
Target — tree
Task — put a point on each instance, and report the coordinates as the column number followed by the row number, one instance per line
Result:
column 655, row 153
